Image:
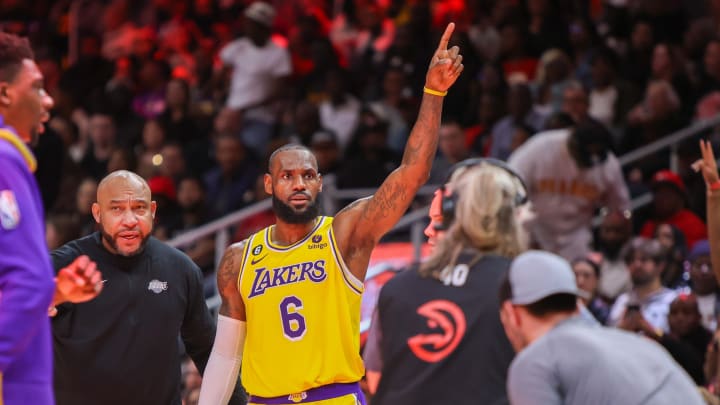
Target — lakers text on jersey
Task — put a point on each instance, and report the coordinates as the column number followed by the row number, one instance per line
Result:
column 303, row 314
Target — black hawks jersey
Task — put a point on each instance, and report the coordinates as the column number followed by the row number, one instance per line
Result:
column 442, row 341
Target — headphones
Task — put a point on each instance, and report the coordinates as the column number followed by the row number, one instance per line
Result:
column 449, row 202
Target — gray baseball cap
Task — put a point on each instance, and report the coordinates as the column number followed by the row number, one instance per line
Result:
column 536, row 274
column 261, row 12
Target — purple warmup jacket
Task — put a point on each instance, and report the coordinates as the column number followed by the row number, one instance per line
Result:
column 26, row 280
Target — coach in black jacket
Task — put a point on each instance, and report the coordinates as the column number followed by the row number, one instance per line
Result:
column 123, row 347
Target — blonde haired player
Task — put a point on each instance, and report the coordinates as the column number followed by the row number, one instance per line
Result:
column 291, row 293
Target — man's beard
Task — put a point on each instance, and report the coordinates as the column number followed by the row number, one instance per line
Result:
column 109, row 239
column 612, row 250
column 641, row 280
column 288, row 214
column 195, row 208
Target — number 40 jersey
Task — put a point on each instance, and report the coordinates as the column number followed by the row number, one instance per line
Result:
column 303, row 314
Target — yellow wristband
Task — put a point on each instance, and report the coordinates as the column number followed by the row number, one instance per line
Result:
column 435, row 92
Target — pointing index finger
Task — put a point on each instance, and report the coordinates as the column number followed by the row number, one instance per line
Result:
column 442, row 46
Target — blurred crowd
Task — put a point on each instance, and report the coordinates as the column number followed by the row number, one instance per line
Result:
column 194, row 94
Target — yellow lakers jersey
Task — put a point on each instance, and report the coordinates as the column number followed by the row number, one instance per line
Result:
column 303, row 314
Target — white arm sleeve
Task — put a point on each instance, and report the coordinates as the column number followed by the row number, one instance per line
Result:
column 224, row 363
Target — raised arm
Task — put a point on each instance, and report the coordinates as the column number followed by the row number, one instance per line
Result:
column 222, row 369
column 708, row 166
column 363, row 223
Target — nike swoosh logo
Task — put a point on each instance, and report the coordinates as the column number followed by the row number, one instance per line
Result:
column 254, row 262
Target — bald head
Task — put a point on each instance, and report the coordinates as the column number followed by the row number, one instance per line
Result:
column 123, row 178
column 125, row 212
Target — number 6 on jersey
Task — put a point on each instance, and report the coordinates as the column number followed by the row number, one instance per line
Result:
column 293, row 323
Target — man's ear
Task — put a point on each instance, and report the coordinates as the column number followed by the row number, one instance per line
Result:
column 5, row 94
column 511, row 321
column 509, row 314
column 320, row 178
column 153, row 208
column 96, row 212
column 267, row 182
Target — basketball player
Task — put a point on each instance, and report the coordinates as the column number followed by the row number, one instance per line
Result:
column 27, row 289
column 291, row 292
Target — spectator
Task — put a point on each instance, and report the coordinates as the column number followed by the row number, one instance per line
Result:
column 704, row 284
column 542, row 28
column 101, row 132
column 483, row 34
column 657, row 116
column 340, row 112
column 84, row 198
column 610, row 96
column 614, row 232
column 552, row 78
column 373, row 158
column 305, row 122
column 636, row 64
column 672, row 240
column 308, row 44
column 685, row 326
column 324, row 146
column 121, row 159
column 176, row 119
column 394, row 92
column 669, row 207
column 558, row 120
column 260, row 220
column 260, row 68
column 679, row 342
column 452, row 148
column 575, row 102
column 60, row 229
column 153, row 138
column 645, row 307
column 587, row 274
column 173, row 163
column 375, row 35
column 234, row 174
column 164, row 191
column 489, row 111
column 583, row 40
column 518, row 64
column 540, row 316
column 520, row 111
column 149, row 101
column 710, row 73
column 667, row 66
column 570, row 173
column 520, row 136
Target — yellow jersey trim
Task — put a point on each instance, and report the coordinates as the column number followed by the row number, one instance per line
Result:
column 279, row 248
column 15, row 141
column 350, row 279
column 246, row 253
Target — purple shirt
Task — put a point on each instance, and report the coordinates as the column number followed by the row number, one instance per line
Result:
column 26, row 284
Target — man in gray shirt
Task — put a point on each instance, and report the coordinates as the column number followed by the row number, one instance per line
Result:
column 565, row 360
